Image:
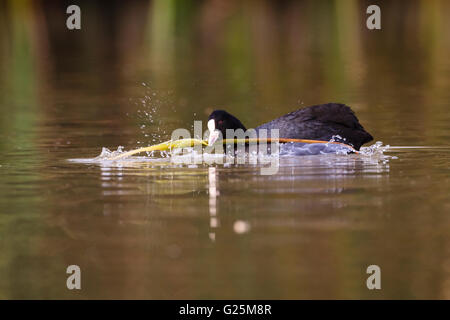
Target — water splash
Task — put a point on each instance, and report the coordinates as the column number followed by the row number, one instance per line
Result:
column 149, row 106
column 376, row 149
column 108, row 154
column 294, row 151
column 307, row 149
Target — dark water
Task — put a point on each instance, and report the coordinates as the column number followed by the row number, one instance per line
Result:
column 149, row 229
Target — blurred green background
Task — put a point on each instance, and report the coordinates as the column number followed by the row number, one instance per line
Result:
column 257, row 59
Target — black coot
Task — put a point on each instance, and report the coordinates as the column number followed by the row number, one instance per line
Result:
column 319, row 122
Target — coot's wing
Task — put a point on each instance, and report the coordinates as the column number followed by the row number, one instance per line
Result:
column 321, row 122
column 336, row 113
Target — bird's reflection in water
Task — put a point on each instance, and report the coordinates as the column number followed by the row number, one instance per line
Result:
column 301, row 185
column 213, row 194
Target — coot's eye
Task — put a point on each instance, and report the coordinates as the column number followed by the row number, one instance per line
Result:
column 220, row 122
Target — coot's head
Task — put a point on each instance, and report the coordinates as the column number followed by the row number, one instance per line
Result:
column 219, row 121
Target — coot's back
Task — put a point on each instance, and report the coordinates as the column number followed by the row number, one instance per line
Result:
column 321, row 122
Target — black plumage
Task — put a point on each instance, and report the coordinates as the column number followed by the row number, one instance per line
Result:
column 319, row 122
